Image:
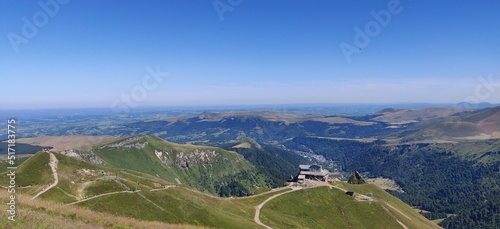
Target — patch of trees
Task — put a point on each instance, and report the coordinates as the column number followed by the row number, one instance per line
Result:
column 434, row 215
column 232, row 188
column 21, row 148
column 241, row 184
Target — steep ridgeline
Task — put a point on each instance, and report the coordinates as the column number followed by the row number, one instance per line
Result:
column 209, row 169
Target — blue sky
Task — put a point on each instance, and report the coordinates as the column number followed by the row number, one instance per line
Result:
column 92, row 53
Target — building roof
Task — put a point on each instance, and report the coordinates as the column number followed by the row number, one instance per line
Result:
column 308, row 167
column 310, row 173
column 304, row 167
column 302, row 177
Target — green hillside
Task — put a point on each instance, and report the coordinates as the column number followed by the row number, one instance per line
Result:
column 31, row 174
column 5, row 163
column 326, row 207
column 208, row 169
column 314, row 208
column 101, row 196
column 483, row 152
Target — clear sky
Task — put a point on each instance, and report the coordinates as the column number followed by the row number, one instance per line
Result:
column 92, row 53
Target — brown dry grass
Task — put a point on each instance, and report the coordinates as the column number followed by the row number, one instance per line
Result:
column 67, row 142
column 34, row 213
column 402, row 116
column 342, row 120
column 365, row 140
column 244, row 145
column 384, row 183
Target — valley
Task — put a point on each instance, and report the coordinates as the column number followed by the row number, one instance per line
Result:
column 222, row 170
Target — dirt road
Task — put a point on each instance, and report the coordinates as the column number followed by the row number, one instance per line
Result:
column 105, row 194
column 53, row 166
column 256, row 218
column 314, row 184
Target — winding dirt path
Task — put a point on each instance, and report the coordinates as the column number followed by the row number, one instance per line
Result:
column 53, row 166
column 393, row 216
column 256, row 217
column 395, row 209
column 105, row 194
column 150, row 201
column 159, row 189
column 313, row 184
column 82, row 187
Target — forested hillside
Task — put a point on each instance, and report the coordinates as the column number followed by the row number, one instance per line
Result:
column 280, row 164
column 432, row 178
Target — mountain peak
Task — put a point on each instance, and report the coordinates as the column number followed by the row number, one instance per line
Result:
column 247, row 143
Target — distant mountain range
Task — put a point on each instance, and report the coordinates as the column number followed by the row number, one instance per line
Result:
column 437, row 156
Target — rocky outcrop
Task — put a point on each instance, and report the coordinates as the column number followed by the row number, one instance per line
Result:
column 163, row 157
column 130, row 143
column 356, row 179
column 197, row 157
column 193, row 158
column 87, row 156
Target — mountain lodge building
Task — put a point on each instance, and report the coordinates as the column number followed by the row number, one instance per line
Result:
column 312, row 172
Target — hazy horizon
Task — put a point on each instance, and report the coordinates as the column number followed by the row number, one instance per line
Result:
column 74, row 54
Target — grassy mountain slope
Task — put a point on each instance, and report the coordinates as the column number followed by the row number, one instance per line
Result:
column 48, row 214
column 415, row 115
column 31, row 174
column 399, row 209
column 481, row 152
column 470, row 125
column 101, row 196
column 441, row 178
column 209, row 169
column 5, row 163
column 330, row 208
